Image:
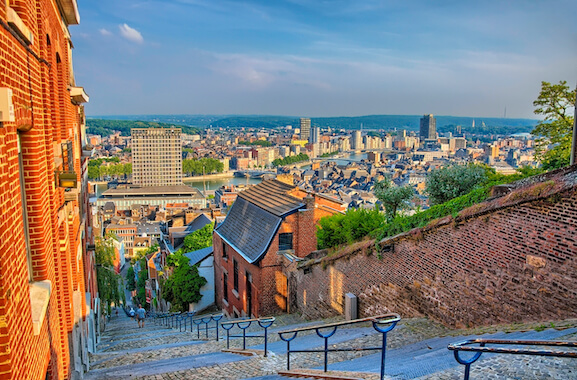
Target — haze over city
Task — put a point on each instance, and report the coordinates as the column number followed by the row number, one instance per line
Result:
column 329, row 58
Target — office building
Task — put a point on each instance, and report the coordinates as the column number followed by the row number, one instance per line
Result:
column 428, row 130
column 305, row 133
column 357, row 140
column 156, row 156
column 315, row 135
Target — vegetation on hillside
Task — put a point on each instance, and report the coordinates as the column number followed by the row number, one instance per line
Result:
column 345, row 229
column 354, row 225
column 290, row 160
column 388, row 122
column 452, row 207
column 106, row 127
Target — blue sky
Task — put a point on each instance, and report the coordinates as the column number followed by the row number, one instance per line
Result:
column 322, row 58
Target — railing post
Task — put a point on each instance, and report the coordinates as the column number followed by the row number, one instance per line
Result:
column 326, row 352
column 288, row 355
column 265, row 341
column 383, row 354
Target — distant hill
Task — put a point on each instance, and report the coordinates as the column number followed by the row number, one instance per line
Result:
column 107, row 127
column 385, row 122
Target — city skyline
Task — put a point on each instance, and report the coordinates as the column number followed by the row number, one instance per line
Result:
column 342, row 58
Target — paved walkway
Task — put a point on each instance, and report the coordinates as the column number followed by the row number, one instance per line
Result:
column 417, row 348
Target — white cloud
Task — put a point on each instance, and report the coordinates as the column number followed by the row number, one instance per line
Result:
column 105, row 32
column 130, row 34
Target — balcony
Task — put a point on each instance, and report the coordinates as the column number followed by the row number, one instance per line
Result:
column 78, row 95
column 69, row 10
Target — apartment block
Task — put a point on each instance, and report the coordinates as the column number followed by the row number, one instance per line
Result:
column 156, row 156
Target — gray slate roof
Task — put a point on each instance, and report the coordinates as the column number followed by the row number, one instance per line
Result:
column 255, row 217
column 197, row 256
column 272, row 196
column 249, row 229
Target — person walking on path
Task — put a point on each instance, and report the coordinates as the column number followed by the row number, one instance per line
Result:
column 140, row 315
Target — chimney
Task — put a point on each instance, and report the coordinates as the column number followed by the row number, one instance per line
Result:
column 310, row 201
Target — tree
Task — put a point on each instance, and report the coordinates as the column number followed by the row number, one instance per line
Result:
column 183, row 286
column 554, row 103
column 106, row 278
column 392, row 197
column 130, row 281
column 453, row 181
column 141, row 282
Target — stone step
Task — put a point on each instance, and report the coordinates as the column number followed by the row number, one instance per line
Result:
column 164, row 366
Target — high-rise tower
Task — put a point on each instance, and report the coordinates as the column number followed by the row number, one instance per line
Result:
column 428, row 129
column 156, row 156
column 305, row 128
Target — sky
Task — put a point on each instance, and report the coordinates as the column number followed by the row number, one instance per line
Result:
column 314, row 58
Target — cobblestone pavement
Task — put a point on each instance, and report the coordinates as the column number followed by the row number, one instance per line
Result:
column 515, row 367
column 126, row 345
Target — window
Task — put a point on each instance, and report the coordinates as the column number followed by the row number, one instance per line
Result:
column 235, row 278
column 225, row 287
column 285, row 241
column 224, row 255
column 24, row 209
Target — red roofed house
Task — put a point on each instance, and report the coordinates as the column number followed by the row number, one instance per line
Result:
column 268, row 224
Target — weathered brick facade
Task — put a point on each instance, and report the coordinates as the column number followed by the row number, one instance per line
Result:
column 42, row 219
column 510, row 259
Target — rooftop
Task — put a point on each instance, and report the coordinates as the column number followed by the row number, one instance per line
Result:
column 154, row 191
column 273, row 196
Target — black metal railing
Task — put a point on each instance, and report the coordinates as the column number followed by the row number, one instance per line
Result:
column 167, row 319
column 159, row 318
column 244, row 324
column 183, row 318
column 479, row 350
column 206, row 320
column 382, row 323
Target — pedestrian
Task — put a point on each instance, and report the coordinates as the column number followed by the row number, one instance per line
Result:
column 140, row 315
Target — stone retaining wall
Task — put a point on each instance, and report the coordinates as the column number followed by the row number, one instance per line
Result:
column 497, row 264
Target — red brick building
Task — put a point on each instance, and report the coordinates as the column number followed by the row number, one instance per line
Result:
column 45, row 275
column 268, row 223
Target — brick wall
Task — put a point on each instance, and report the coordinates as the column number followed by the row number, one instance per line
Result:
column 45, row 118
column 494, row 263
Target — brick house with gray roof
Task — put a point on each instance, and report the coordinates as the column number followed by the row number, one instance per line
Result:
column 267, row 224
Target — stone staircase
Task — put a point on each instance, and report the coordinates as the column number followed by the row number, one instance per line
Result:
column 416, row 349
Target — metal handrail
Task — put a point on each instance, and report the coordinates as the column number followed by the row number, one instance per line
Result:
column 465, row 346
column 381, row 323
column 184, row 316
column 206, row 320
column 243, row 324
